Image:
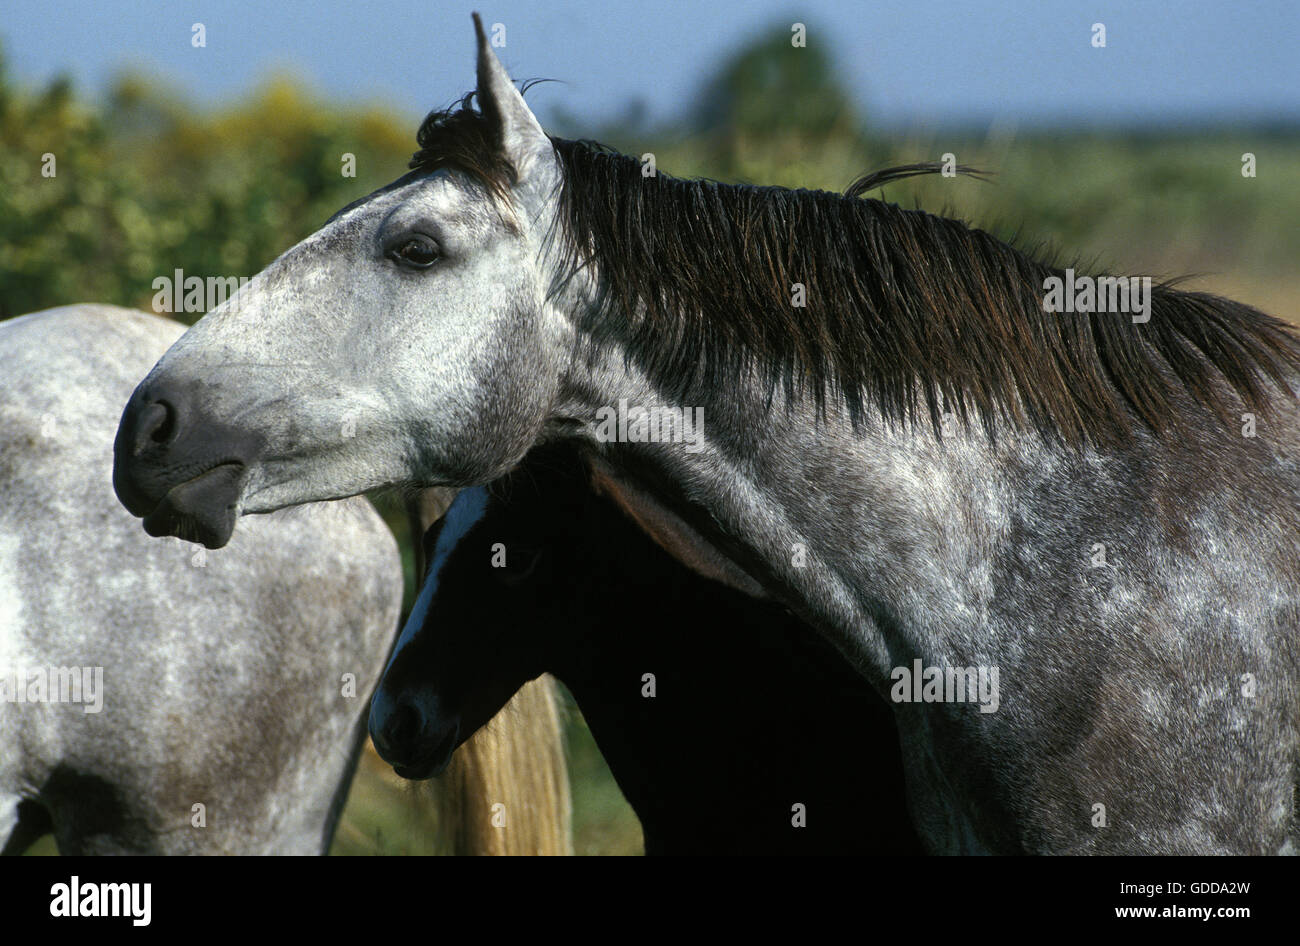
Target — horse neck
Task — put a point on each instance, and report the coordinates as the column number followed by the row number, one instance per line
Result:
column 804, row 505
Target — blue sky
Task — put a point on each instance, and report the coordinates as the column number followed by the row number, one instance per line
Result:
column 908, row 61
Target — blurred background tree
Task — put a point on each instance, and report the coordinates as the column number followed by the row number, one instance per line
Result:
column 773, row 87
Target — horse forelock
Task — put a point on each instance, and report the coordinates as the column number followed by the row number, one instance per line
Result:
column 462, row 137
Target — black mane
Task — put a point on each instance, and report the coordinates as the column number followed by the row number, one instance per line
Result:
column 907, row 313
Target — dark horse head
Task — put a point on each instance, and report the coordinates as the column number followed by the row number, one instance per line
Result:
column 727, row 723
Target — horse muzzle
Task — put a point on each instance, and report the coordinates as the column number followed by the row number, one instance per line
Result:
column 416, row 743
column 181, row 472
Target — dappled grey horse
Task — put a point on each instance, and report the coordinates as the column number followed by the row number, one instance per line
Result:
column 869, row 412
column 235, row 681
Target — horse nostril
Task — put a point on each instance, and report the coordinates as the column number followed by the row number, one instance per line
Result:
column 403, row 727
column 157, row 425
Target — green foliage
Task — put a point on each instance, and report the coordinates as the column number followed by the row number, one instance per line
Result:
column 143, row 185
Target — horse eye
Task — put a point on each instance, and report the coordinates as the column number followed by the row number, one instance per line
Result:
column 415, row 251
column 521, row 565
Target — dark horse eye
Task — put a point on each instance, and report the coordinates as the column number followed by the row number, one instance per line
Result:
column 521, row 565
column 416, row 251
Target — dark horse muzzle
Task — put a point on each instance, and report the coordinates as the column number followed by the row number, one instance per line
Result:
column 179, row 471
column 410, row 733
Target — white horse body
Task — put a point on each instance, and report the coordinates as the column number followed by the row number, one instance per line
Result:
column 234, row 680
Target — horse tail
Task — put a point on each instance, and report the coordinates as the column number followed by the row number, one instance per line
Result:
column 506, row 791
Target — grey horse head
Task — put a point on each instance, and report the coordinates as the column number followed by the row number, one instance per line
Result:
column 436, row 277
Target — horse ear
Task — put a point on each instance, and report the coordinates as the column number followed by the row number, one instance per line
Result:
column 518, row 130
column 673, row 534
